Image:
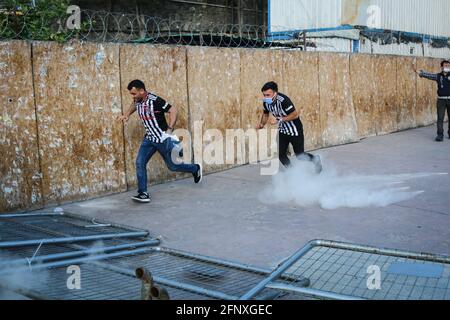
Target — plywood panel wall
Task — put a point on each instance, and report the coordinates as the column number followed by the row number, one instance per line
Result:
column 386, row 108
column 363, row 92
column 336, row 102
column 20, row 180
column 301, row 79
column 214, row 99
column 406, row 89
column 77, row 98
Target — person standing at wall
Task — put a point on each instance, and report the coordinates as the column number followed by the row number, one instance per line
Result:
column 443, row 101
column 151, row 110
column 290, row 127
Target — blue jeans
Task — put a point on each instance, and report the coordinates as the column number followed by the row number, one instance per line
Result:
column 147, row 150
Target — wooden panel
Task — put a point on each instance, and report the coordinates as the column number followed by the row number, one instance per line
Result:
column 426, row 93
column 336, row 106
column 386, row 111
column 78, row 97
column 163, row 70
column 301, row 79
column 214, row 98
column 20, row 182
column 257, row 68
column 406, row 93
column 363, row 93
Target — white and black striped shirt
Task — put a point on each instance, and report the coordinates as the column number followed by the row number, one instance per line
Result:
column 282, row 107
column 151, row 111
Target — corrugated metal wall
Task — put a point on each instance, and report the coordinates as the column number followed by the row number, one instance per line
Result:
column 304, row 14
column 429, row 17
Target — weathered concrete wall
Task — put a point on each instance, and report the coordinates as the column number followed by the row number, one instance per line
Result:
column 77, row 92
column 195, row 13
column 20, row 182
column 59, row 104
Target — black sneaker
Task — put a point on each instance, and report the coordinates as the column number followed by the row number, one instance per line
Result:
column 142, row 197
column 439, row 138
column 198, row 176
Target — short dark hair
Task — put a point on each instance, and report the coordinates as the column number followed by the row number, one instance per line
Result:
column 270, row 86
column 444, row 62
column 138, row 84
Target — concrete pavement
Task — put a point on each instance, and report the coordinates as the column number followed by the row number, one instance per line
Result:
column 223, row 217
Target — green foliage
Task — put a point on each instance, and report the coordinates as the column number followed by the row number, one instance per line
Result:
column 45, row 20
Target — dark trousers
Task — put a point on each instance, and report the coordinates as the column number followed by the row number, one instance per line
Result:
column 442, row 105
column 298, row 143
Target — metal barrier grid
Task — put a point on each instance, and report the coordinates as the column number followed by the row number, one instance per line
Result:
column 21, row 230
column 333, row 270
column 184, row 275
column 97, row 283
column 340, row 270
column 215, row 275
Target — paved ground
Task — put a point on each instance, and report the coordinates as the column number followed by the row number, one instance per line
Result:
column 223, row 216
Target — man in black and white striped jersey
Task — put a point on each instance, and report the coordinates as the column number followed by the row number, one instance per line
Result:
column 289, row 125
column 151, row 110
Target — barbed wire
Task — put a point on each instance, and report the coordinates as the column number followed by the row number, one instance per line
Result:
column 103, row 26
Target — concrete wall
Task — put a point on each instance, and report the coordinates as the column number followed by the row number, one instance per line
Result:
column 59, row 141
column 195, row 13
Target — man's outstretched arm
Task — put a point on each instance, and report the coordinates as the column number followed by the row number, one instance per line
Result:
column 429, row 76
column 426, row 75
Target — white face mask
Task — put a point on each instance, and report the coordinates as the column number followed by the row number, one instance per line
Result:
column 446, row 70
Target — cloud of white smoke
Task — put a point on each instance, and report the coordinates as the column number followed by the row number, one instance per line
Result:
column 19, row 276
column 331, row 190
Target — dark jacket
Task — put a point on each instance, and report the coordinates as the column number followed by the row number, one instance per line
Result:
column 442, row 80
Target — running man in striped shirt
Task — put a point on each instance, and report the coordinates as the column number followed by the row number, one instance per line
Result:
column 290, row 128
column 151, row 110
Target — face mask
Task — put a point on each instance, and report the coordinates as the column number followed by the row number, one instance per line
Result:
column 447, row 70
column 268, row 100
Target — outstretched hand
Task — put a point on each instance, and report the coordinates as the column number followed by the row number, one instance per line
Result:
column 122, row 118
